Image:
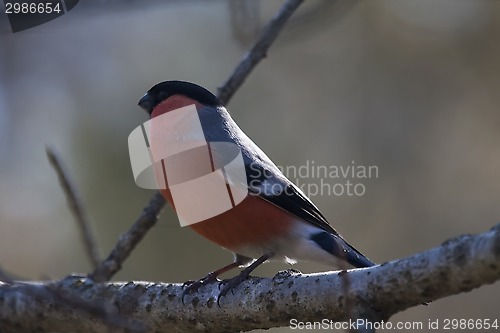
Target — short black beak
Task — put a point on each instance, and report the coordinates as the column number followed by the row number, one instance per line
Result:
column 146, row 103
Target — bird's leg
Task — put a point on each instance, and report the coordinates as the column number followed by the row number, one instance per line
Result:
column 193, row 286
column 244, row 274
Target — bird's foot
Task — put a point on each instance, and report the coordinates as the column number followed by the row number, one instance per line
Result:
column 230, row 284
column 191, row 287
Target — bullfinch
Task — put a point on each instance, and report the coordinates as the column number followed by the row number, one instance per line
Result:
column 275, row 221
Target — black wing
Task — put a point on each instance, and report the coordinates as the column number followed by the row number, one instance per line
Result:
column 284, row 194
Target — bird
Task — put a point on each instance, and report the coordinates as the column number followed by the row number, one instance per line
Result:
column 275, row 221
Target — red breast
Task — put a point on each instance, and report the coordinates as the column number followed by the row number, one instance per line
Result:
column 252, row 222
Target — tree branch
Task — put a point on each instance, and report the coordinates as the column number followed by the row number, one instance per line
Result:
column 76, row 207
column 129, row 240
column 55, row 293
column 258, row 51
column 458, row 265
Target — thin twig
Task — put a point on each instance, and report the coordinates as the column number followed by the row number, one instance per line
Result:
column 149, row 216
column 258, row 51
column 129, row 240
column 76, row 207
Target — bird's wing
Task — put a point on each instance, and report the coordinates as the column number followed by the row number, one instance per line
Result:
column 263, row 178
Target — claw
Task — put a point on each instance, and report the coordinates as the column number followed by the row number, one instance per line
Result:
column 188, row 282
column 229, row 285
column 194, row 286
column 238, row 279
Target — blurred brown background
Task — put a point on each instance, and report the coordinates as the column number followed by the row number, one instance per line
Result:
column 411, row 86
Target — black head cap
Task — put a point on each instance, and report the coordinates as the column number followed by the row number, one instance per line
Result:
column 164, row 90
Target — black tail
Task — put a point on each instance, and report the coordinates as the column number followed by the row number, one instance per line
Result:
column 337, row 246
